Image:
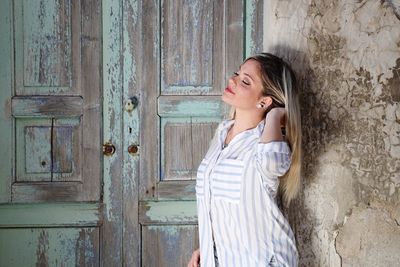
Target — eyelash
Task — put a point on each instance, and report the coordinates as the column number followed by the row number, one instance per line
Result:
column 237, row 74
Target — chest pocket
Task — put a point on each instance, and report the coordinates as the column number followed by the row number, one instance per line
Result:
column 200, row 178
column 226, row 180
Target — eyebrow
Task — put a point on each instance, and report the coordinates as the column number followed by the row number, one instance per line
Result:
column 248, row 76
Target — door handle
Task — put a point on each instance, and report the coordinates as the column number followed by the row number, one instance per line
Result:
column 108, row 149
column 133, row 150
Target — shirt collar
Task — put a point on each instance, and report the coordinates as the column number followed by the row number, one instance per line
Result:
column 226, row 125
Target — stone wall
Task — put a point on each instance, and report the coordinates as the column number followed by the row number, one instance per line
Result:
column 347, row 55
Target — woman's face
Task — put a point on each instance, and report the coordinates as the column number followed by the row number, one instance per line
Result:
column 244, row 87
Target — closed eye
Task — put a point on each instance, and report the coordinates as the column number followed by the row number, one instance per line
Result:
column 243, row 81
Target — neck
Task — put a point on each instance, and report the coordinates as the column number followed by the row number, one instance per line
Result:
column 245, row 120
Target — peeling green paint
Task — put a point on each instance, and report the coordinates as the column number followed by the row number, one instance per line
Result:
column 186, row 90
column 179, row 58
column 170, row 230
column 49, row 247
column 184, row 121
column 184, row 107
column 112, row 82
column 38, row 215
column 6, row 170
column 43, row 48
column 47, row 33
column 33, row 149
column 171, row 211
column 249, row 15
column 112, row 232
column 131, row 22
column 216, row 119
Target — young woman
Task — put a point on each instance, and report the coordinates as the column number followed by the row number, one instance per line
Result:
column 251, row 156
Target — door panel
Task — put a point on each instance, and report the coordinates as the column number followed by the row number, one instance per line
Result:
column 57, row 129
column 33, row 150
column 187, row 126
column 48, row 149
column 47, row 46
column 191, row 46
column 66, row 156
column 170, row 245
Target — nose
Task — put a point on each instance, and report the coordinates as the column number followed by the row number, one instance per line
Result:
column 232, row 81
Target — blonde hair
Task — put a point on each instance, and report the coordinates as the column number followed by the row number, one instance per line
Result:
column 279, row 82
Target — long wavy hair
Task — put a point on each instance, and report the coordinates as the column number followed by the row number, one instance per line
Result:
column 280, row 83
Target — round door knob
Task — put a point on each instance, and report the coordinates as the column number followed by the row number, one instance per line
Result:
column 133, row 149
column 108, row 149
column 131, row 103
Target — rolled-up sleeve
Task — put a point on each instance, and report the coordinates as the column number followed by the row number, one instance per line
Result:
column 272, row 160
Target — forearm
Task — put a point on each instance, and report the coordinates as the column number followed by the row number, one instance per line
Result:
column 272, row 129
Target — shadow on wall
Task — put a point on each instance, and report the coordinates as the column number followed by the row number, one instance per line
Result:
column 395, row 4
column 316, row 129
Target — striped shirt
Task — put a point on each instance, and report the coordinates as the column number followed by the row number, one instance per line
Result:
column 238, row 216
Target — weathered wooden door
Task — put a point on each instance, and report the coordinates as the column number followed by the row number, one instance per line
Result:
column 50, row 179
column 185, row 51
column 71, row 74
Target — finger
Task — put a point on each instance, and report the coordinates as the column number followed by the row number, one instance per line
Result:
column 193, row 263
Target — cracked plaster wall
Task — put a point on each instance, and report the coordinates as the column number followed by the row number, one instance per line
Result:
column 347, row 55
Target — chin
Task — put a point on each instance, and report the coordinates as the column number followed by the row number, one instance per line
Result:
column 226, row 99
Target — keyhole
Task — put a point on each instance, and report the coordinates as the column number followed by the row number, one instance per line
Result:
column 43, row 163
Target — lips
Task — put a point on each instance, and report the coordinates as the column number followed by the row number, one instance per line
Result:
column 229, row 90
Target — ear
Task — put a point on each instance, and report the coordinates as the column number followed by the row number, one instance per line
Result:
column 267, row 101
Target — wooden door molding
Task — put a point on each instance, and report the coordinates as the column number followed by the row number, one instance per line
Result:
column 42, row 215
column 6, row 123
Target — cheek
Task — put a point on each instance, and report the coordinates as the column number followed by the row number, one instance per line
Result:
column 249, row 94
column 244, row 91
column 247, row 98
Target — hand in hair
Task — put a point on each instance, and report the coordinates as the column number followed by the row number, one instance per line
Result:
column 274, row 120
column 279, row 114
